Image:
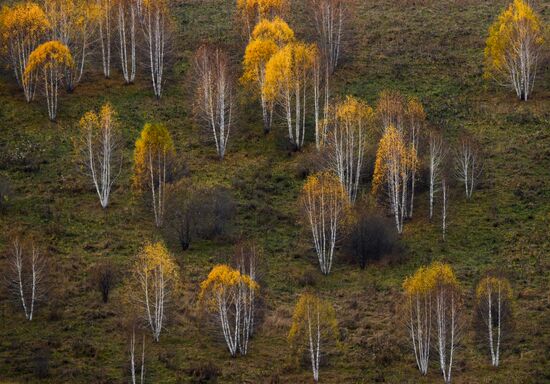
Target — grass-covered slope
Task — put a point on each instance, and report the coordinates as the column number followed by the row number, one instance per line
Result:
column 430, row 49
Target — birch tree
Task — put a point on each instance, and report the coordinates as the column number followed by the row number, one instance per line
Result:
column 133, row 365
column 432, row 307
column 153, row 157
column 418, row 315
column 351, row 126
column 416, row 118
column 325, row 208
column 514, row 48
column 447, row 306
column 156, row 23
column 251, row 12
column 288, row 77
column 314, row 327
column 22, row 28
column 73, row 23
column 393, row 167
column 493, row 305
column 155, row 280
column 226, row 291
column 101, row 150
column 49, row 60
column 267, row 38
column 246, row 261
column 468, row 165
column 437, row 154
column 321, row 100
column 27, row 274
column 329, row 17
column 105, row 26
column 127, row 18
column 214, row 94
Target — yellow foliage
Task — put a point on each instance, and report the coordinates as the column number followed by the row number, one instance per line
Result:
column 156, row 256
column 493, row 284
column 390, row 108
column 514, row 26
column 154, row 143
column 310, row 308
column 393, row 156
column 24, row 22
column 92, row 121
column 220, row 280
column 256, row 9
column 426, row 279
column 50, row 55
column 267, row 38
column 415, row 110
column 354, row 111
column 326, row 185
column 276, row 30
column 287, row 69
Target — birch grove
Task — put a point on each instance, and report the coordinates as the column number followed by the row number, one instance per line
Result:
column 351, row 126
column 325, row 207
column 155, row 23
column 226, row 291
column 288, row 76
column 101, row 150
column 50, row 61
column 127, row 18
column 437, row 154
column 514, row 48
column 468, row 165
column 267, row 38
column 314, row 326
column 393, row 167
column 155, row 282
column 22, row 28
column 214, row 94
column 329, row 16
column 493, row 299
column 27, row 275
column 153, row 158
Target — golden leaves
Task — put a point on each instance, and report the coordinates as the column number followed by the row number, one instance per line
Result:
column 311, row 308
column 222, row 279
column 426, row 279
column 287, row 69
column 52, row 54
column 494, row 285
column 154, row 143
column 25, row 21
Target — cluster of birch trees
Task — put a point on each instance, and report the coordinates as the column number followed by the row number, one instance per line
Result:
column 434, row 312
column 49, row 45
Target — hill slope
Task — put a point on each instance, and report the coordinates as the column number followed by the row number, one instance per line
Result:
column 433, row 51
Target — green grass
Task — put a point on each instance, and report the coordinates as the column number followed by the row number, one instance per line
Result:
column 433, row 51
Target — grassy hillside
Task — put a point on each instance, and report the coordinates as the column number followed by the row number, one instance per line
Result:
column 429, row 49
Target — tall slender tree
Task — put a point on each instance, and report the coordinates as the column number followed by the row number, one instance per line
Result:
column 314, row 326
column 127, row 17
column 153, row 157
column 351, row 126
column 214, row 94
column 325, row 206
column 101, row 148
column 329, row 17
